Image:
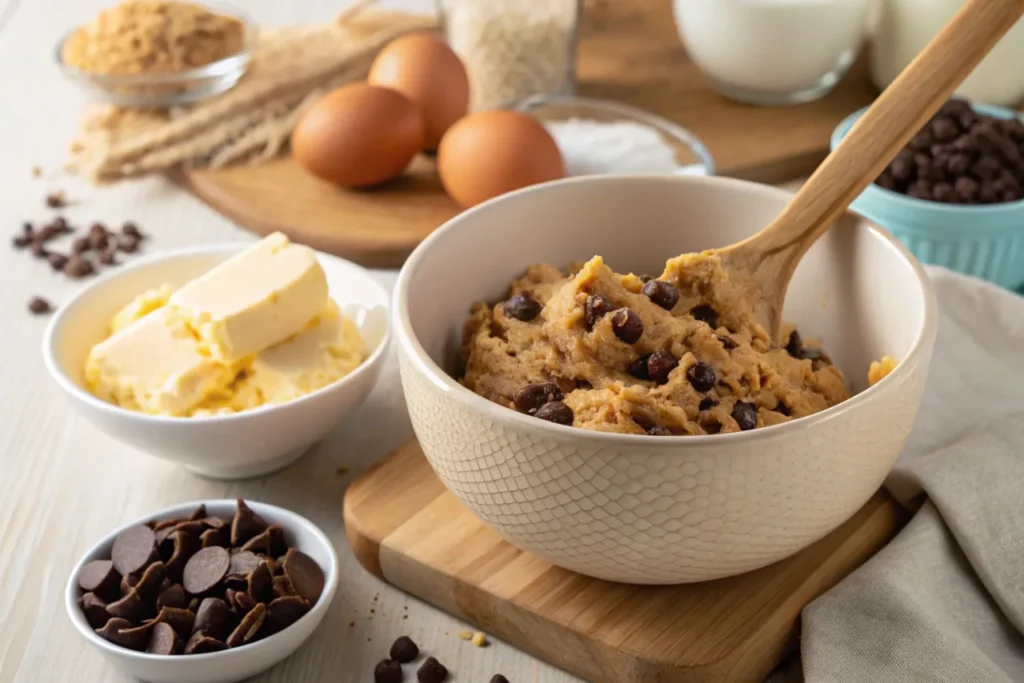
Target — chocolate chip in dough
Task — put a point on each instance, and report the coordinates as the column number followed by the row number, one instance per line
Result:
column 94, row 609
column 665, row 294
column 181, row 620
column 172, row 596
column 522, row 307
column 658, row 430
column 745, row 415
column 431, row 671
column 205, row 569
column 556, row 412
column 245, row 524
column 597, row 307
column 304, row 573
column 627, row 325
column 404, row 650
column 706, row 314
column 200, row 643
column 163, row 640
column 214, row 618
column 100, row 577
column 706, row 404
column 638, row 368
column 248, row 627
column 659, row 365
column 120, row 632
column 134, row 549
column 283, row 612
column 701, row 376
column 530, row 398
column 794, row 344
column 387, row 671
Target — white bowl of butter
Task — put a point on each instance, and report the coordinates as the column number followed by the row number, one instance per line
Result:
column 230, row 360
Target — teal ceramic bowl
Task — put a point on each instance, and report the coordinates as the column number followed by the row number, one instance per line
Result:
column 986, row 241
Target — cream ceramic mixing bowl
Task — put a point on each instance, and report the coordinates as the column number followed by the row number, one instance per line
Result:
column 661, row 510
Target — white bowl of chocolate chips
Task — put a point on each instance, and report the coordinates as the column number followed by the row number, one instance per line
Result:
column 204, row 592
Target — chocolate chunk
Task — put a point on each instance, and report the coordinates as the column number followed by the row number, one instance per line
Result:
column 149, row 583
column 305, row 574
column 498, row 678
column 245, row 524
column 794, row 344
column 627, row 325
column 781, row 407
column 522, row 307
column 556, row 412
column 707, row 404
column 387, row 671
column 200, row 643
column 132, row 607
column 249, row 626
column 261, row 584
column 267, row 541
column 404, row 650
column 727, row 342
column 597, row 307
column 134, row 549
column 193, row 605
column 638, row 368
column 530, row 398
column 185, row 546
column 128, row 582
column 181, row 620
column 205, row 569
column 431, row 671
column 658, row 430
column 243, row 562
column 213, row 522
column 214, row 618
column 283, row 587
column 172, row 596
column 745, row 415
column 100, row 577
column 659, row 365
column 120, row 632
column 220, row 536
column 705, row 313
column 243, row 601
column 192, row 527
column 285, row 611
column 94, row 609
column 163, row 640
column 662, row 293
column 701, row 376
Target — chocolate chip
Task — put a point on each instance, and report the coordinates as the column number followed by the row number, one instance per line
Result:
column 404, row 650
column 498, row 678
column 39, row 248
column 597, row 307
column 530, row 398
column 149, row 583
column 706, row 404
column 285, row 611
column 794, row 344
column 638, row 368
column 944, row 192
column 128, row 582
column 181, row 620
column 245, row 524
column 220, row 537
column 108, row 257
column 627, row 325
column 646, row 278
column 781, row 407
column 522, row 307
column 431, row 671
column 745, row 415
column 200, row 643
column 261, row 584
column 205, row 569
column 660, row 364
column 283, row 587
column 967, row 188
column 95, row 610
column 387, row 671
column 243, row 562
column 214, row 618
column 99, row 577
column 134, row 548
column 56, row 200
column 304, row 573
column 250, row 625
column 131, row 607
column 172, row 596
column 727, row 342
column 98, row 240
column 57, row 261
column 129, row 229
column 701, row 376
column 21, row 241
column 658, row 430
column 78, row 267
column 244, row 602
column 128, row 245
column 556, row 412
column 120, row 632
column 184, row 547
column 662, row 293
column 163, row 640
column 705, row 313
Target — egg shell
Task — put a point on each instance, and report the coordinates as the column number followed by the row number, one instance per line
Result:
column 493, row 152
column 359, row 135
column 424, row 69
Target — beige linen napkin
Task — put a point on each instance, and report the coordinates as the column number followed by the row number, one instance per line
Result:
column 944, row 601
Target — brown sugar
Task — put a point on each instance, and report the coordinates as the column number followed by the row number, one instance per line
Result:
column 152, row 37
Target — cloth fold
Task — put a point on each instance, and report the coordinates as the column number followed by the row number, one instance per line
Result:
column 944, row 601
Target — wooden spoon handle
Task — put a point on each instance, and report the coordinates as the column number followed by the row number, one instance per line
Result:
column 893, row 119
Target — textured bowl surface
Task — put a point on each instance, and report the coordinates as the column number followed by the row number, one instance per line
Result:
column 670, row 509
column 986, row 241
column 246, row 444
column 229, row 665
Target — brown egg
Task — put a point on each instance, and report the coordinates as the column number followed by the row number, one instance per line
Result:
column 494, row 152
column 424, row 69
column 358, row 135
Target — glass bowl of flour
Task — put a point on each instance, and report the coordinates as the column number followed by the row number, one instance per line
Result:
column 599, row 137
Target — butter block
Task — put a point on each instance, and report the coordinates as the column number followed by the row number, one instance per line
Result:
column 141, row 306
column 154, row 366
column 255, row 299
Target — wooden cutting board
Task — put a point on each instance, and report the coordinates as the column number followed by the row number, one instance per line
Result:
column 408, row 530
column 628, row 52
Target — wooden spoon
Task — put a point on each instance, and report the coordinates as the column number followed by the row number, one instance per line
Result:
column 770, row 257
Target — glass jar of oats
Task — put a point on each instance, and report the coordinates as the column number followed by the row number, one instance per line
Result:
column 513, row 48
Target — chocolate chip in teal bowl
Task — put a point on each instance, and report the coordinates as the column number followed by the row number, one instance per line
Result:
column 983, row 240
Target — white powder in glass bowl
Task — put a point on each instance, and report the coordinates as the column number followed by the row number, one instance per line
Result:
column 598, row 147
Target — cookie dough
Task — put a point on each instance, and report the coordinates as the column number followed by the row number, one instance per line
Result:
column 679, row 355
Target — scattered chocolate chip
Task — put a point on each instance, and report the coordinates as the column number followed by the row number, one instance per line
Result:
column 163, row 640
column 134, row 548
column 404, row 650
column 664, row 294
column 387, row 671
column 21, row 241
column 530, row 398
column 431, row 671
column 39, row 248
column 95, row 610
column 727, row 342
column 285, row 611
column 304, row 573
column 659, row 365
column 172, row 596
column 129, row 229
column 706, row 404
column 128, row 245
column 108, row 257
column 81, row 245
column 245, row 524
column 638, row 368
column 214, row 618
column 522, row 307
column 556, row 412
column 200, row 643
column 78, row 267
column 56, row 200
column 705, row 313
column 658, row 430
column 57, row 261
column 627, row 325
column 701, row 376
column 120, row 632
column 745, row 415
column 248, row 627
column 99, row 240
column 205, row 569
column 597, row 307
